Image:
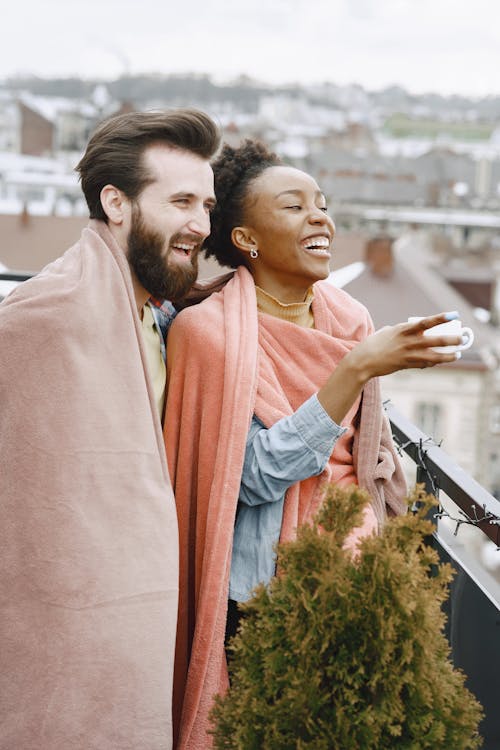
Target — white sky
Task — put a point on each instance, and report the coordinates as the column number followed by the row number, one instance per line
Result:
column 446, row 46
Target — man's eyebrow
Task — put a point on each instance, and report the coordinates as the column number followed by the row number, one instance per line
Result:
column 182, row 194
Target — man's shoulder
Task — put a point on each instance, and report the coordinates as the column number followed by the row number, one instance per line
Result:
column 65, row 289
column 56, row 278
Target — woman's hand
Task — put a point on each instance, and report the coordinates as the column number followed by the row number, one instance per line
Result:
column 393, row 348
column 401, row 347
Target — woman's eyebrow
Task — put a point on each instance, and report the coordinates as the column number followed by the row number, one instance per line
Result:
column 289, row 192
column 317, row 194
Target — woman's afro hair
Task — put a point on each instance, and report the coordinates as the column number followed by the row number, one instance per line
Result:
column 234, row 170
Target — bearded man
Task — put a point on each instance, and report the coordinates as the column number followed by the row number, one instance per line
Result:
column 88, row 540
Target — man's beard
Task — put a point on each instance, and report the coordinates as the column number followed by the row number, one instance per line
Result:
column 150, row 264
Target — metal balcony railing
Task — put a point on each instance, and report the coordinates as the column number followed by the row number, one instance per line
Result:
column 471, row 505
column 467, row 531
column 15, row 275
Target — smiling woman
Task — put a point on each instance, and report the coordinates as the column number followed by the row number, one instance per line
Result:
column 287, row 224
column 292, row 403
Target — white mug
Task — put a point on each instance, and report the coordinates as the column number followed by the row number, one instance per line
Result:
column 450, row 328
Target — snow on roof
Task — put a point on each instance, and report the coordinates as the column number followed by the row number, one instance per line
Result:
column 51, row 106
column 433, row 216
column 46, row 180
column 13, row 162
column 346, row 274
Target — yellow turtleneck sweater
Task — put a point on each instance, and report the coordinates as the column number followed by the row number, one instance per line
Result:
column 295, row 312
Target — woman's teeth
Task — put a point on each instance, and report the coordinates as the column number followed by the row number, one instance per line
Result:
column 317, row 246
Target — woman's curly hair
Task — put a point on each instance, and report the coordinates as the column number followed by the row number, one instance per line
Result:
column 234, row 170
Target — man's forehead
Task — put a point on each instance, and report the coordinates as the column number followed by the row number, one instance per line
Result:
column 157, row 154
column 176, row 167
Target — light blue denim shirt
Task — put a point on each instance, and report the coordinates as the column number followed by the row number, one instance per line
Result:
column 293, row 449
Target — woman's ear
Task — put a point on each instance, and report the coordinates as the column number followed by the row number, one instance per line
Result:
column 244, row 240
column 115, row 204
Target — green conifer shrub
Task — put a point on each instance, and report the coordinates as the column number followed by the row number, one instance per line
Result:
column 343, row 653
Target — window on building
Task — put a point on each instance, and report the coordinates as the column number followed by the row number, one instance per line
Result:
column 429, row 417
column 495, row 419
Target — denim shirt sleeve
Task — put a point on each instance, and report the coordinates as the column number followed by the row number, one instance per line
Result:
column 294, row 448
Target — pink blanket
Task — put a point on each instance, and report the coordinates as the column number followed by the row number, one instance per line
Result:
column 227, row 362
column 88, row 539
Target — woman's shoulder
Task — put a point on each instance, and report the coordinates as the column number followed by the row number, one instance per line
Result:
column 210, row 308
column 199, row 323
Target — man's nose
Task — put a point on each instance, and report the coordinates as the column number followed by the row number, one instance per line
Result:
column 199, row 223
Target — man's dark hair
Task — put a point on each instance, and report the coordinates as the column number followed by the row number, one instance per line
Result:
column 114, row 153
column 234, row 171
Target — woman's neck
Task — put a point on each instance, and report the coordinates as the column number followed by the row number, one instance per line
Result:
column 299, row 313
column 287, row 288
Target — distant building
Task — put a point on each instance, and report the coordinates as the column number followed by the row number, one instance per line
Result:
column 39, row 186
column 37, row 132
column 47, row 125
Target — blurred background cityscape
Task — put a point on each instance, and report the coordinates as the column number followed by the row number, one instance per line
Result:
column 413, row 182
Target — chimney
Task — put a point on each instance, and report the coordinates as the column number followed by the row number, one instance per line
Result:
column 24, row 216
column 379, row 256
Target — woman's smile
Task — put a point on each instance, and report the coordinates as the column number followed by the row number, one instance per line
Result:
column 318, row 245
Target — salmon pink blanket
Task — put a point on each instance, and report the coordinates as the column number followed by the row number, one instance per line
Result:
column 226, row 362
column 88, row 533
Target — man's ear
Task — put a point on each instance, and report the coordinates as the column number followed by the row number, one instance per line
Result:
column 244, row 239
column 115, row 204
